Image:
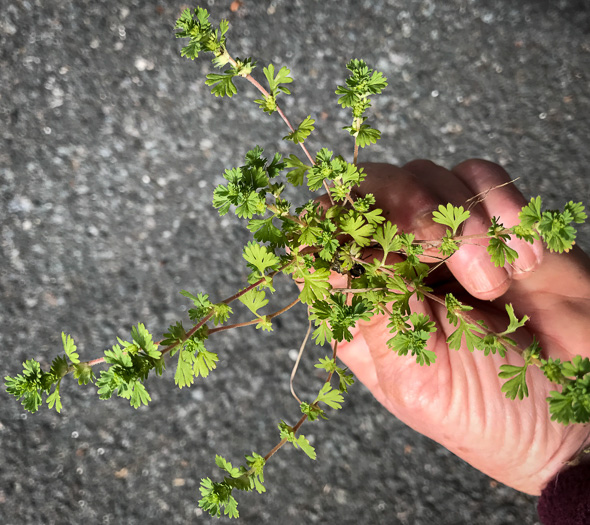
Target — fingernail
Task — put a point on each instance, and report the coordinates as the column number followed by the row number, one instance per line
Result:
column 529, row 255
column 489, row 280
column 478, row 275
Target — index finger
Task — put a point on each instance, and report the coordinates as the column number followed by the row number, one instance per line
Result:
column 409, row 195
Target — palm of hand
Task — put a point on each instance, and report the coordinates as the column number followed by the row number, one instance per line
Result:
column 458, row 402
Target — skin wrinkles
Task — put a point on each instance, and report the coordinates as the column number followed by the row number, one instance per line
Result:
column 457, row 401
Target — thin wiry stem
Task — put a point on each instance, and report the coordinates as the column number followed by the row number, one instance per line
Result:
column 296, row 365
column 265, row 94
column 191, row 332
column 254, row 321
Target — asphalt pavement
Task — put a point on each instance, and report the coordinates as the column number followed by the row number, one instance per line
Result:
column 110, row 148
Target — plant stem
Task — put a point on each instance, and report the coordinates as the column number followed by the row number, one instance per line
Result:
column 254, row 321
column 463, row 315
column 357, row 290
column 459, row 238
column 296, row 365
column 209, row 315
column 280, row 444
column 293, row 218
column 297, row 426
column 265, row 94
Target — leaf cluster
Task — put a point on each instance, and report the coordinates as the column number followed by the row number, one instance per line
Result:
column 331, row 397
column 33, row 383
column 362, row 83
column 202, row 36
column 516, row 385
column 572, row 403
column 298, row 441
column 500, row 253
column 216, row 497
column 276, row 84
column 413, row 336
column 345, row 377
column 336, row 170
column 204, row 308
column 553, row 226
column 334, row 318
column 223, row 84
column 248, row 186
column 131, row 363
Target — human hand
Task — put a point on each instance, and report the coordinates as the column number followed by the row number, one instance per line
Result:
column 457, row 401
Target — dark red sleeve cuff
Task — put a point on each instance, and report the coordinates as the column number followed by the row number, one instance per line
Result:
column 566, row 498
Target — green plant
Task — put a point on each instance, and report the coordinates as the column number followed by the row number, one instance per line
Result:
column 308, row 243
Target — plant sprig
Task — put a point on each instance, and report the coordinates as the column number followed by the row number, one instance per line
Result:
column 308, row 244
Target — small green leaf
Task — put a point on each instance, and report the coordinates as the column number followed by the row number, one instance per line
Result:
column 322, row 333
column 256, row 464
column 264, row 323
column 468, row 332
column 222, row 83
column 143, row 339
column 297, row 170
column 315, row 285
column 107, row 383
column 184, row 375
column 329, row 396
column 501, row 253
column 306, row 446
column 265, row 231
column 302, row 132
column 274, row 82
column 139, row 394
column 326, row 363
column 576, row 211
column 516, row 385
column 578, row 367
column 374, row 217
column 387, row 237
column 54, row 399
column 202, row 304
column 312, row 411
column 451, row 216
column 83, row 373
column 221, row 313
column 454, row 308
column 70, row 348
column 531, row 213
column 205, row 362
column 514, row 323
column 59, row 367
column 357, row 227
column 297, row 441
column 254, row 299
column 260, row 258
column 223, row 464
column 366, row 135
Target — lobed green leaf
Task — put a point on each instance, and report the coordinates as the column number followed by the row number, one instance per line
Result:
column 302, row 132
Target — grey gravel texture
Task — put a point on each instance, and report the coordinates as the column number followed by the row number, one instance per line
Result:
column 110, row 147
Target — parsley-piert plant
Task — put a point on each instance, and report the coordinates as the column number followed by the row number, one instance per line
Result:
column 308, row 243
